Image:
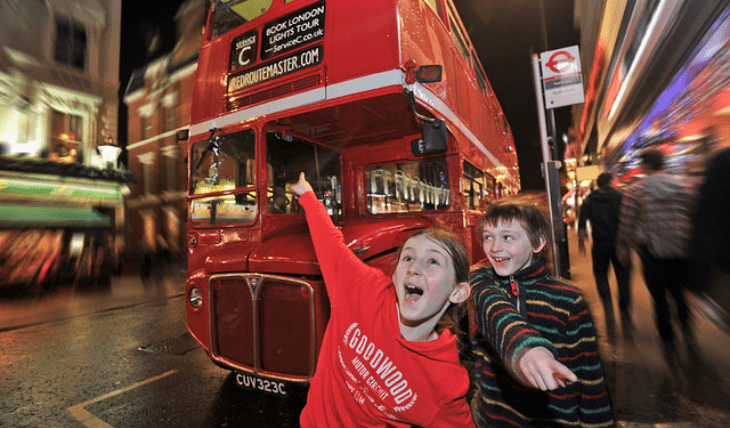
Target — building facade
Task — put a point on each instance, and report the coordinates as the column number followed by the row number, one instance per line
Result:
column 61, row 196
column 59, row 77
column 158, row 103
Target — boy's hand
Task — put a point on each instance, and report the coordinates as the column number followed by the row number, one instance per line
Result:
column 302, row 186
column 542, row 371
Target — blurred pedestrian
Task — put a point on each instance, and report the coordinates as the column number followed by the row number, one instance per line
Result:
column 710, row 267
column 150, row 263
column 655, row 220
column 601, row 208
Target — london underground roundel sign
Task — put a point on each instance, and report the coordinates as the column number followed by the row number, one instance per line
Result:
column 562, row 77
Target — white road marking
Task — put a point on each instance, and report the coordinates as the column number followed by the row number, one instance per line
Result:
column 91, row 421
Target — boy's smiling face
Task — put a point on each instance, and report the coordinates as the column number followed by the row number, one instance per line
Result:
column 508, row 247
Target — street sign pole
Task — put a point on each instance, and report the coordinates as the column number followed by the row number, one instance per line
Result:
column 559, row 77
column 549, row 172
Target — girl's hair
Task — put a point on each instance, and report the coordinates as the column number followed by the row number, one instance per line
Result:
column 530, row 216
column 455, row 313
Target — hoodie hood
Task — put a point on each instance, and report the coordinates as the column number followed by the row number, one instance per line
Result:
column 605, row 194
column 663, row 186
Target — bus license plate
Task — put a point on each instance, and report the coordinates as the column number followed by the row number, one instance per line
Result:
column 247, row 381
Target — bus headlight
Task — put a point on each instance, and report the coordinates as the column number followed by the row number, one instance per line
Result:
column 195, row 297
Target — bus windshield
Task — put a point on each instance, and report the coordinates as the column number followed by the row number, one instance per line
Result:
column 223, row 164
column 229, row 14
column 287, row 156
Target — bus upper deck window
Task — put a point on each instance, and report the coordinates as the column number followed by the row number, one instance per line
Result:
column 436, row 6
column 459, row 39
column 505, row 125
column 479, row 71
column 229, row 14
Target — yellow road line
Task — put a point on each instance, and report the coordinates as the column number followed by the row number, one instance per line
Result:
column 91, row 421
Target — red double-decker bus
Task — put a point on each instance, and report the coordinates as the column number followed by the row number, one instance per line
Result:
column 386, row 108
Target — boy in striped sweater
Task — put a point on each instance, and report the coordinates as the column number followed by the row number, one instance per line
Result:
column 519, row 383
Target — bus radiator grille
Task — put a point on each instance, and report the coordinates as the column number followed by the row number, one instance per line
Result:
column 267, row 326
column 233, row 326
column 285, row 328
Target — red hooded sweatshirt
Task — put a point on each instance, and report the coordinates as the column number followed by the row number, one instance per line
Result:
column 367, row 375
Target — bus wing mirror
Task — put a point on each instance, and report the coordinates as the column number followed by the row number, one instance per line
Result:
column 433, row 141
column 428, row 73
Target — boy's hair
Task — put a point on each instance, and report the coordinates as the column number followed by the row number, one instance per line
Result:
column 529, row 215
column 455, row 247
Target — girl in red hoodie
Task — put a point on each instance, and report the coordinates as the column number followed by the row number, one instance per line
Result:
column 384, row 361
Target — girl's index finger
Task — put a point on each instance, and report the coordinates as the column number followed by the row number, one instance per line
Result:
column 302, row 186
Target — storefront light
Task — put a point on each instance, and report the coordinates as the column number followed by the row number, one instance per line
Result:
column 109, row 153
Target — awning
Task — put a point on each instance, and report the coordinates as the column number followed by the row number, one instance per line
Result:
column 50, row 190
column 49, row 216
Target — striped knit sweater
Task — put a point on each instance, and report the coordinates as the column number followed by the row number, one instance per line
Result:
column 548, row 313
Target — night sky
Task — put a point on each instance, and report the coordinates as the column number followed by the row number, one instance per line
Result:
column 504, row 33
column 148, row 32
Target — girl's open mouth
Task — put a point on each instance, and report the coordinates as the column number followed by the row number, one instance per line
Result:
column 413, row 292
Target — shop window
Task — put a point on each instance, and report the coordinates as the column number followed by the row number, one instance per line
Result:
column 66, row 145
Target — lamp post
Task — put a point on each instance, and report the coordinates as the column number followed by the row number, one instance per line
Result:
column 109, row 153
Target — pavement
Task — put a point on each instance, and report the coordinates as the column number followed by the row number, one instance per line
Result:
column 648, row 389
column 64, row 302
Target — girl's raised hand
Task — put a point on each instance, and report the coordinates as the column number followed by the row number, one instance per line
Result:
column 302, row 186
